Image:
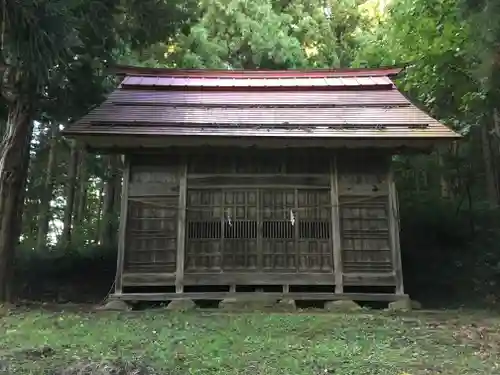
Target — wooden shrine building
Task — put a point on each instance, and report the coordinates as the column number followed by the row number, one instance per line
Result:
column 272, row 181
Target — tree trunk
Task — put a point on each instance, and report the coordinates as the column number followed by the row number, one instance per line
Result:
column 70, row 196
column 47, row 192
column 495, row 155
column 99, row 212
column 76, row 199
column 82, row 195
column 3, row 128
column 491, row 188
column 108, row 235
column 443, row 181
column 118, row 186
column 14, row 161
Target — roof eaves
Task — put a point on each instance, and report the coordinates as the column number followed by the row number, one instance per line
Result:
column 125, row 70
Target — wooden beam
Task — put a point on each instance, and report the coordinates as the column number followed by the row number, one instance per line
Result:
column 122, row 229
column 336, row 234
column 155, row 189
column 394, row 233
column 148, row 279
column 369, row 279
column 115, row 140
column 181, row 228
column 257, row 296
column 258, row 278
column 280, row 181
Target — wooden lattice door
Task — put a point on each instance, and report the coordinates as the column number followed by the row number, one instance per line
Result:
column 151, row 235
column 258, row 229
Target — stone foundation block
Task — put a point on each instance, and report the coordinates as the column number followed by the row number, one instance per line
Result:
column 115, row 305
column 286, row 305
column 401, row 305
column 238, row 304
column 342, row 306
column 184, row 304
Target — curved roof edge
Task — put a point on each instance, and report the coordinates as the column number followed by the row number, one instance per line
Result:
column 126, row 70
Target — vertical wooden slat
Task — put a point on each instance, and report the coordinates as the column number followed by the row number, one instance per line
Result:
column 222, row 249
column 122, row 229
column 336, row 243
column 394, row 232
column 260, row 230
column 181, row 228
column 296, row 229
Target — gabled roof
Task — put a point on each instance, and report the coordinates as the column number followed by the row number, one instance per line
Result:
column 344, row 103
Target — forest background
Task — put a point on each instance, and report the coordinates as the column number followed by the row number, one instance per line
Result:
column 59, row 204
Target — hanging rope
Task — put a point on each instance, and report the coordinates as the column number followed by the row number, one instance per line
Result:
column 363, row 199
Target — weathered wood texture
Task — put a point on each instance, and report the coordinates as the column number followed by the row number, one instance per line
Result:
column 394, row 233
column 122, row 229
column 336, row 240
column 257, row 217
column 153, row 199
column 364, row 215
column 292, row 225
column 181, row 227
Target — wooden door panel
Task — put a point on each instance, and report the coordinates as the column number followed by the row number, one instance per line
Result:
column 265, row 230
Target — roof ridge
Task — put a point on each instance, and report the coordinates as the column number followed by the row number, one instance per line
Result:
column 124, row 70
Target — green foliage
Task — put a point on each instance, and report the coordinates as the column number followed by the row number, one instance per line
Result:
column 449, row 253
column 76, row 274
column 142, row 23
column 30, row 51
column 431, row 39
column 327, row 31
column 236, row 34
column 486, row 38
column 448, row 241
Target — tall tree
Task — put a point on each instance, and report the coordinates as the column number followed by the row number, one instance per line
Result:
column 70, row 196
column 48, row 187
column 234, row 34
column 327, row 30
column 66, row 40
column 111, row 192
column 83, row 181
column 36, row 35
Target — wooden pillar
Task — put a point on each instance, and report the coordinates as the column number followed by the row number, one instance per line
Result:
column 336, row 243
column 394, row 232
column 181, row 228
column 122, row 229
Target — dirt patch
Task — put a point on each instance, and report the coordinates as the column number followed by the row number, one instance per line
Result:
column 118, row 367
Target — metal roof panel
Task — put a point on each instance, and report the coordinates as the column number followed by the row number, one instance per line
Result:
column 435, row 130
column 262, row 73
column 133, row 81
column 257, row 115
column 284, row 98
column 342, row 103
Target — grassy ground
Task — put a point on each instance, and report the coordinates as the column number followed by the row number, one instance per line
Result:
column 452, row 343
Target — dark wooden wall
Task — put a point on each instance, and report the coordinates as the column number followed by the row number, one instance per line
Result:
column 364, row 214
column 227, row 217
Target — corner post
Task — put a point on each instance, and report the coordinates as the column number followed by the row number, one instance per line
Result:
column 122, row 228
column 394, row 232
column 335, row 236
column 181, row 228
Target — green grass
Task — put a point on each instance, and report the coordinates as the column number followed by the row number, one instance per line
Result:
column 255, row 343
